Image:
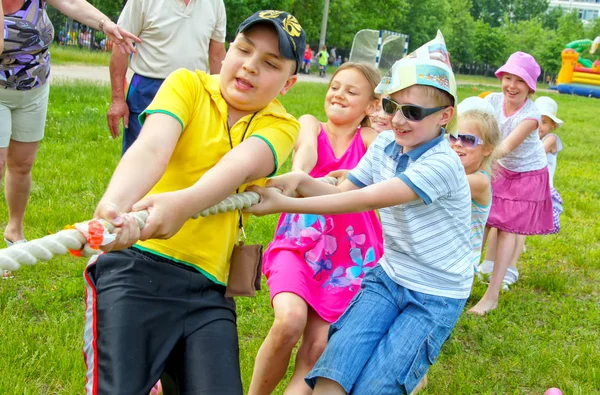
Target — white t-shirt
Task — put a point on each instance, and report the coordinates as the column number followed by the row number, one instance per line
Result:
column 552, row 156
column 173, row 35
column 530, row 154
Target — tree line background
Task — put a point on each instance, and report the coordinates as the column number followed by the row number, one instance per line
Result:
column 480, row 34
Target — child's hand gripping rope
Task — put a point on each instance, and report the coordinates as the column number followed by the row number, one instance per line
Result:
column 85, row 238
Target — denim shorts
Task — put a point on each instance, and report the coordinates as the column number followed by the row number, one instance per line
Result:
column 387, row 338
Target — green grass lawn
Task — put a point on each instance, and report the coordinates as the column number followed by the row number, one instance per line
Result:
column 73, row 55
column 545, row 333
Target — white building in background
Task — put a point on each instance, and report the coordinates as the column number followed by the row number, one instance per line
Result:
column 588, row 9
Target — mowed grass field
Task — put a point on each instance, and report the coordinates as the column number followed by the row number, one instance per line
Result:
column 545, row 333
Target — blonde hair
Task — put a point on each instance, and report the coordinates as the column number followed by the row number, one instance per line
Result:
column 487, row 125
column 370, row 73
column 440, row 97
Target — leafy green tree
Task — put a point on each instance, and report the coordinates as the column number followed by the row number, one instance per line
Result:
column 423, row 19
column 524, row 10
column 488, row 44
column 490, row 11
column 551, row 17
column 570, row 27
column 459, row 32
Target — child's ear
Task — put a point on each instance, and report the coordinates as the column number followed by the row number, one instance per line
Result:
column 487, row 150
column 447, row 114
column 291, row 81
column 372, row 107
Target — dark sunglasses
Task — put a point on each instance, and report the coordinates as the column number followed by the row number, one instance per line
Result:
column 466, row 140
column 410, row 111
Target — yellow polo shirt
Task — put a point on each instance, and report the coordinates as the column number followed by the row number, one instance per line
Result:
column 194, row 99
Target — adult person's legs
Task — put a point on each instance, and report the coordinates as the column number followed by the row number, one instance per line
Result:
column 140, row 94
column 23, row 119
column 17, row 186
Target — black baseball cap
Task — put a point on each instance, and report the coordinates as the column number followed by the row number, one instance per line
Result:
column 292, row 39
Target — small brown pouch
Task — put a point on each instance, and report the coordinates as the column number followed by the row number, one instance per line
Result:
column 245, row 270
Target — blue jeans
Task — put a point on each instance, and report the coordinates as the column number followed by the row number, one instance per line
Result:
column 387, row 338
column 140, row 94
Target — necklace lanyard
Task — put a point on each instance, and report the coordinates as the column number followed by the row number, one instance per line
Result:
column 237, row 190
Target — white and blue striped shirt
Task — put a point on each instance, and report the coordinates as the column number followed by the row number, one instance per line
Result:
column 427, row 244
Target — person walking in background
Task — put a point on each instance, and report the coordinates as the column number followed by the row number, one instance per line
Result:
column 323, row 61
column 332, row 56
column 182, row 34
column 307, row 60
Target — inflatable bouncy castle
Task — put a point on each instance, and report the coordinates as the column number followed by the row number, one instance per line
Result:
column 579, row 76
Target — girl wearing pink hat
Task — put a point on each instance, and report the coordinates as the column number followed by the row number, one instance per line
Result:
column 521, row 202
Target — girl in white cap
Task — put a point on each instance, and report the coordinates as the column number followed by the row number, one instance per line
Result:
column 552, row 146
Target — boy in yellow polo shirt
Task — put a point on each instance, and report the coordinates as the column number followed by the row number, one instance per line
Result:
column 159, row 306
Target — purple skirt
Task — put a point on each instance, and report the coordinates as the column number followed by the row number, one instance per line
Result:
column 521, row 202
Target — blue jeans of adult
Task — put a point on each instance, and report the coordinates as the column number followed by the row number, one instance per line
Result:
column 387, row 338
column 140, row 94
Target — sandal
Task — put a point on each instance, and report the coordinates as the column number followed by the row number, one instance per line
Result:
column 10, row 243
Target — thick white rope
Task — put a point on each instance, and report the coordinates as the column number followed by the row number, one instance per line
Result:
column 241, row 201
column 43, row 249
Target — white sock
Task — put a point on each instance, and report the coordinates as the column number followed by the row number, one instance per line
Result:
column 486, row 267
column 512, row 275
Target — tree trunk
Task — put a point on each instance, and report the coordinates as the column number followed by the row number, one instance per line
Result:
column 324, row 25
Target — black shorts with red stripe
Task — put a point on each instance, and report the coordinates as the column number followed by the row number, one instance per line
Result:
column 148, row 315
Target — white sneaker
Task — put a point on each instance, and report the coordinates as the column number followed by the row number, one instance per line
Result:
column 511, row 277
column 484, row 271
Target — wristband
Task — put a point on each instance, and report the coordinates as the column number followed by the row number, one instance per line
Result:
column 101, row 24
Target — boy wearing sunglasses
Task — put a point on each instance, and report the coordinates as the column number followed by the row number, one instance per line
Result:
column 392, row 331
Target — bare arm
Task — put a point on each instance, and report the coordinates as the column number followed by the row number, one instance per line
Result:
column 550, row 144
column 144, row 162
column 118, row 107
column 516, row 137
column 216, row 54
column 305, row 150
column 84, row 12
column 384, row 194
column 368, row 136
column 479, row 184
column 1, row 23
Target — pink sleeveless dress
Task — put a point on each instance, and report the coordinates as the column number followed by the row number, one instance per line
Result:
column 323, row 258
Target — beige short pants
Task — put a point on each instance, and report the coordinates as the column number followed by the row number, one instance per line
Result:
column 23, row 114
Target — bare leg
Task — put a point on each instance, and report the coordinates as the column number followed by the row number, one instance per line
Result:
column 519, row 245
column 328, row 387
column 490, row 235
column 17, row 185
column 504, row 254
column 273, row 357
column 314, row 341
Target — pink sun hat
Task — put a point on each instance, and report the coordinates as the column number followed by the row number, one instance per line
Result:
column 523, row 65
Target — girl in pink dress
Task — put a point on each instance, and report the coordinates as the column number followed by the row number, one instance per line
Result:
column 316, row 263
